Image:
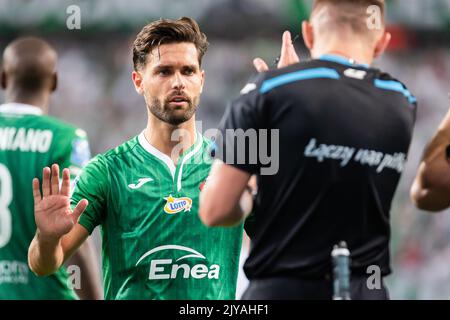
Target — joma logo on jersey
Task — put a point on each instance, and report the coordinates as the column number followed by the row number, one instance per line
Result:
column 167, row 269
column 175, row 205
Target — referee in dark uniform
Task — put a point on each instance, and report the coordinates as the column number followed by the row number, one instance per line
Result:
column 344, row 130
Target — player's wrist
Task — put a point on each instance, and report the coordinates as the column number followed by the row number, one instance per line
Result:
column 47, row 239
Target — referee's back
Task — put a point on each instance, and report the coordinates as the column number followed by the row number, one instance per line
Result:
column 344, row 130
column 344, row 134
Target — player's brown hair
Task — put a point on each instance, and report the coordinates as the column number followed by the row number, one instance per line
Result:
column 166, row 31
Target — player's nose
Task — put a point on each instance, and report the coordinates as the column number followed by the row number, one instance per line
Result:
column 178, row 81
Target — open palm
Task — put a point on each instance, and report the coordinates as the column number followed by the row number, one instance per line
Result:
column 53, row 214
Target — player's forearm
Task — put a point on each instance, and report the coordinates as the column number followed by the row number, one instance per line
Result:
column 438, row 144
column 444, row 126
column 431, row 187
column 45, row 255
column 432, row 184
column 436, row 148
column 429, row 199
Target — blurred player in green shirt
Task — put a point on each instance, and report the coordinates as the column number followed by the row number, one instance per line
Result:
column 145, row 193
column 30, row 140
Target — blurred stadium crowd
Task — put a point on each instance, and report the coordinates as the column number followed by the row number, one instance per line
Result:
column 96, row 93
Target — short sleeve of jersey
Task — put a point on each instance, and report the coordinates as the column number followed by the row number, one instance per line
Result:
column 235, row 143
column 91, row 184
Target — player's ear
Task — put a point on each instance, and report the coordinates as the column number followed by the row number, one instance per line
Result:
column 308, row 34
column 382, row 44
column 137, row 81
column 3, row 80
column 54, row 84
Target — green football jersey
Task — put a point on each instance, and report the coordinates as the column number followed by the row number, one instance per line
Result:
column 29, row 141
column 154, row 244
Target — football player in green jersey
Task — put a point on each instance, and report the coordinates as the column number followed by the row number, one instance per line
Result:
column 30, row 140
column 145, row 193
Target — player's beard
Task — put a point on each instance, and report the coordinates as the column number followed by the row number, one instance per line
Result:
column 173, row 116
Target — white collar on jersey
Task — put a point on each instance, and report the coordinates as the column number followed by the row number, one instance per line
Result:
column 20, row 108
column 166, row 159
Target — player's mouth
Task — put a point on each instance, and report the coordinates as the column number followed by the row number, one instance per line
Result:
column 178, row 101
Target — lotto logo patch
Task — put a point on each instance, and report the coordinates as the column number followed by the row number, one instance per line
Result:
column 175, row 205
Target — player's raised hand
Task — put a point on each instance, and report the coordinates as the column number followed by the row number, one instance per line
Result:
column 52, row 212
column 288, row 55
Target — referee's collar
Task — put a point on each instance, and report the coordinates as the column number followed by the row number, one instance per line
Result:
column 343, row 60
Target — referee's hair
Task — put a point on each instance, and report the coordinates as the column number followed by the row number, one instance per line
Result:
column 346, row 15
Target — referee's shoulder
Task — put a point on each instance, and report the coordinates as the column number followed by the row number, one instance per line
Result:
column 386, row 82
column 306, row 70
column 322, row 69
column 259, row 80
column 304, row 65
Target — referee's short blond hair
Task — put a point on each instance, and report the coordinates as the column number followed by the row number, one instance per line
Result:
column 348, row 16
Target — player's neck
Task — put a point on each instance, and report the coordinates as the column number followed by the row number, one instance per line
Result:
column 169, row 139
column 38, row 100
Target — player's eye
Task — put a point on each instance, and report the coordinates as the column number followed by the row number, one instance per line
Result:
column 164, row 72
column 188, row 71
